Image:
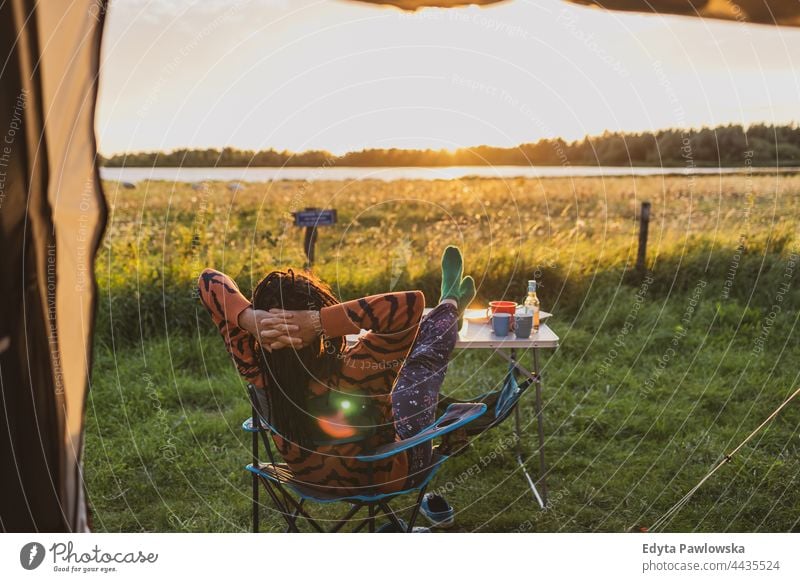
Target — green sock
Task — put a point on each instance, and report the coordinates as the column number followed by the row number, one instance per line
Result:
column 452, row 269
column 466, row 293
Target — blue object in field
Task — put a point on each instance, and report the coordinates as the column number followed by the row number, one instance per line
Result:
column 315, row 217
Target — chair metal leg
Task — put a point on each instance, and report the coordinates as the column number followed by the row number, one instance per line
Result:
column 343, row 521
column 415, row 511
column 389, row 512
column 300, row 512
column 368, row 521
column 255, row 504
column 285, row 507
column 255, row 481
column 293, row 519
column 282, row 508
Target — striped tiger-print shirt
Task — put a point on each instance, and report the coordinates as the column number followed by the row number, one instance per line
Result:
column 370, row 366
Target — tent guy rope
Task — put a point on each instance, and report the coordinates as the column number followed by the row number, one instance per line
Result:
column 667, row 517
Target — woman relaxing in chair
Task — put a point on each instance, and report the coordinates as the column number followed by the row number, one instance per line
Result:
column 330, row 402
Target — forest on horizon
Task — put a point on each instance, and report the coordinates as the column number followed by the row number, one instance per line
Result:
column 724, row 146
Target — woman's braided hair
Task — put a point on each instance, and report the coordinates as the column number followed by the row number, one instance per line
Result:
column 287, row 371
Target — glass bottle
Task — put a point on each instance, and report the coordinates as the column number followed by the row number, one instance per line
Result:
column 532, row 304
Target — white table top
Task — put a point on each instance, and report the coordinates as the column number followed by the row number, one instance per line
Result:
column 480, row 336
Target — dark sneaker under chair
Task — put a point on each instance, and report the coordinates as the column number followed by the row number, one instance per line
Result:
column 437, row 511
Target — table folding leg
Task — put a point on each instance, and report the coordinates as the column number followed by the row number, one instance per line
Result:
column 540, row 492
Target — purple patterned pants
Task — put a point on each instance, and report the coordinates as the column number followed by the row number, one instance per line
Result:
column 416, row 390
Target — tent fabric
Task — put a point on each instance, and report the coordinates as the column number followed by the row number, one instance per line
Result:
column 52, row 215
column 415, row 4
column 781, row 12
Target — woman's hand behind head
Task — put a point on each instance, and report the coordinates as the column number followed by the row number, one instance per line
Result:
column 272, row 331
column 305, row 325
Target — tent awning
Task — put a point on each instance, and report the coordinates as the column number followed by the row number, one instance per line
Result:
column 776, row 12
column 780, row 12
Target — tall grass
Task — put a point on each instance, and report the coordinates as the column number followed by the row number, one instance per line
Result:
column 570, row 233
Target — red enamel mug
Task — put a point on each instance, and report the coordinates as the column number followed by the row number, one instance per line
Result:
column 509, row 307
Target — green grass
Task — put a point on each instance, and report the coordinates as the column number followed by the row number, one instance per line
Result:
column 652, row 383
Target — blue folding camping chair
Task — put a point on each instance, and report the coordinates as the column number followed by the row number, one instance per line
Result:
column 500, row 403
column 289, row 494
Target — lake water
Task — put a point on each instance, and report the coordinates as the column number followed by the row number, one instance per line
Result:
column 410, row 173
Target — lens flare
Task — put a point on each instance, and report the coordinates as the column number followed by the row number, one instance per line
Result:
column 336, row 426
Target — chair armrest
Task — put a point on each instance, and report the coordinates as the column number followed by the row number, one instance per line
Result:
column 456, row 416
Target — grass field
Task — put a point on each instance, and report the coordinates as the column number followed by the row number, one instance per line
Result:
column 659, row 374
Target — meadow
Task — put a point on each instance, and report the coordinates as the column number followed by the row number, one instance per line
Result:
column 659, row 373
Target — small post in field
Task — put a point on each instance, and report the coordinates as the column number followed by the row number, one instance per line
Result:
column 310, row 219
column 644, row 224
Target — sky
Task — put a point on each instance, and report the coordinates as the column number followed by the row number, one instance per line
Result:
column 342, row 76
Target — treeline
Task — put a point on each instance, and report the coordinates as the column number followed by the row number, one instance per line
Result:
column 730, row 145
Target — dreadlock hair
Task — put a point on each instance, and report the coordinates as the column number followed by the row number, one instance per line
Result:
column 287, row 371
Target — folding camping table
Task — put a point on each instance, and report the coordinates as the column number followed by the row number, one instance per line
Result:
column 480, row 336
